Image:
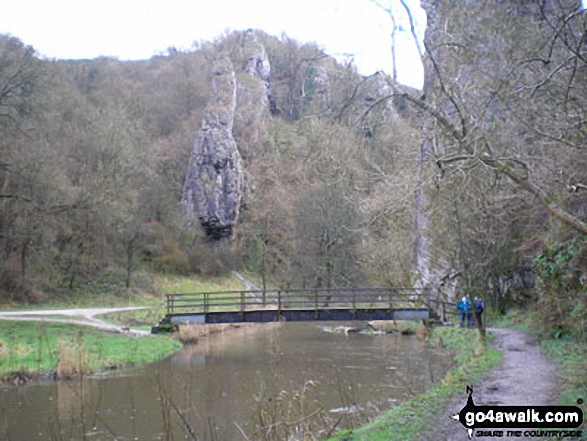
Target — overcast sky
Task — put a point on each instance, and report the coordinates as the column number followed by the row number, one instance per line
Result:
column 139, row 29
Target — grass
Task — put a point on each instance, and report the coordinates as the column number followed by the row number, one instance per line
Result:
column 411, row 419
column 37, row 349
column 572, row 355
column 111, row 293
column 190, row 334
column 180, row 285
column 172, row 285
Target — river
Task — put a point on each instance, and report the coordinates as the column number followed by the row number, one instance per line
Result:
column 230, row 383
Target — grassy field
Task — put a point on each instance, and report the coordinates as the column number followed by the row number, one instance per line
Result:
column 173, row 285
column 178, row 285
column 410, row 419
column 112, row 293
column 41, row 349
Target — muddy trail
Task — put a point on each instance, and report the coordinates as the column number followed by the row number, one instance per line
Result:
column 525, row 377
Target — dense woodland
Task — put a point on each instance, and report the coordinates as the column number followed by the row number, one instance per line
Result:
column 477, row 184
column 95, row 155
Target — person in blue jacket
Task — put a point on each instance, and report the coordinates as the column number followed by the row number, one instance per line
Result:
column 465, row 311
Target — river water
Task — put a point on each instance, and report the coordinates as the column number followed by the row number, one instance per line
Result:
column 227, row 384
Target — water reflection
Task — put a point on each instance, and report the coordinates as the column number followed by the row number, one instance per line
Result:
column 226, row 384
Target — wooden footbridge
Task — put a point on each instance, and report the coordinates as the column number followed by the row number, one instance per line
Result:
column 364, row 304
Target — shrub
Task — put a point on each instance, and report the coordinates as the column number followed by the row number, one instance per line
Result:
column 165, row 254
column 72, row 359
column 211, row 259
column 562, row 309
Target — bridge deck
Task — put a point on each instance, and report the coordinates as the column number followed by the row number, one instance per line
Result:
column 299, row 305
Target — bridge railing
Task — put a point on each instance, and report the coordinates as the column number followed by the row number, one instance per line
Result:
column 315, row 299
column 444, row 307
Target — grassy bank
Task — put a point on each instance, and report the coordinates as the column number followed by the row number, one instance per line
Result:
column 112, row 293
column 172, row 285
column 572, row 356
column 31, row 350
column 410, row 419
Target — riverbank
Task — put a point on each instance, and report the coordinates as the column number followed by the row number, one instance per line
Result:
column 60, row 339
column 526, row 376
column 473, row 358
column 31, row 351
column 523, row 367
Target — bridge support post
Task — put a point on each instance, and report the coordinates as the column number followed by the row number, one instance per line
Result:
column 391, row 302
column 206, row 302
column 242, row 305
column 316, row 304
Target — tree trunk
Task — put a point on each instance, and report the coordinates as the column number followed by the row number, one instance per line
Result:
column 129, row 263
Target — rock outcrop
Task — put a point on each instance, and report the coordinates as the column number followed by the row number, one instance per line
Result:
column 254, row 99
column 256, row 62
column 486, row 71
column 213, row 186
column 239, row 105
column 377, row 89
column 316, row 88
column 236, row 120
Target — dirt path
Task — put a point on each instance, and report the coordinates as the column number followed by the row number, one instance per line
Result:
column 81, row 316
column 249, row 286
column 525, row 377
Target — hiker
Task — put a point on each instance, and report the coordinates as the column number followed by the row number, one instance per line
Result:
column 479, row 306
column 465, row 311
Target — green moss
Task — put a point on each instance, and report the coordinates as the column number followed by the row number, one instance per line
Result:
column 410, row 419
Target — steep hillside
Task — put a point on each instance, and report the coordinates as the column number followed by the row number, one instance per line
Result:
column 261, row 153
column 250, row 151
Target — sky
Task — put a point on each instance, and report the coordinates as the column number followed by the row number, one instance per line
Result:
column 139, row 29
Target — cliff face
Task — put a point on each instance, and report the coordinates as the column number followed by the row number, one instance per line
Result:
column 253, row 94
column 239, row 104
column 213, row 187
column 504, row 109
column 471, row 47
column 238, row 118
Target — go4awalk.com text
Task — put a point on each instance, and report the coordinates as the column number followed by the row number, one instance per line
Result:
column 520, row 421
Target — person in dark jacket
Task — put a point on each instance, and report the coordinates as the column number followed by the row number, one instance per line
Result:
column 479, row 307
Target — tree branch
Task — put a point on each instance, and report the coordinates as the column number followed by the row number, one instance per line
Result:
column 500, row 165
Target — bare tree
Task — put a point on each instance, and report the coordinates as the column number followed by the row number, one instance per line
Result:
column 19, row 75
column 517, row 74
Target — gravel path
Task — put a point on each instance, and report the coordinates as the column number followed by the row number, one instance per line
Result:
column 80, row 316
column 525, row 377
column 249, row 286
